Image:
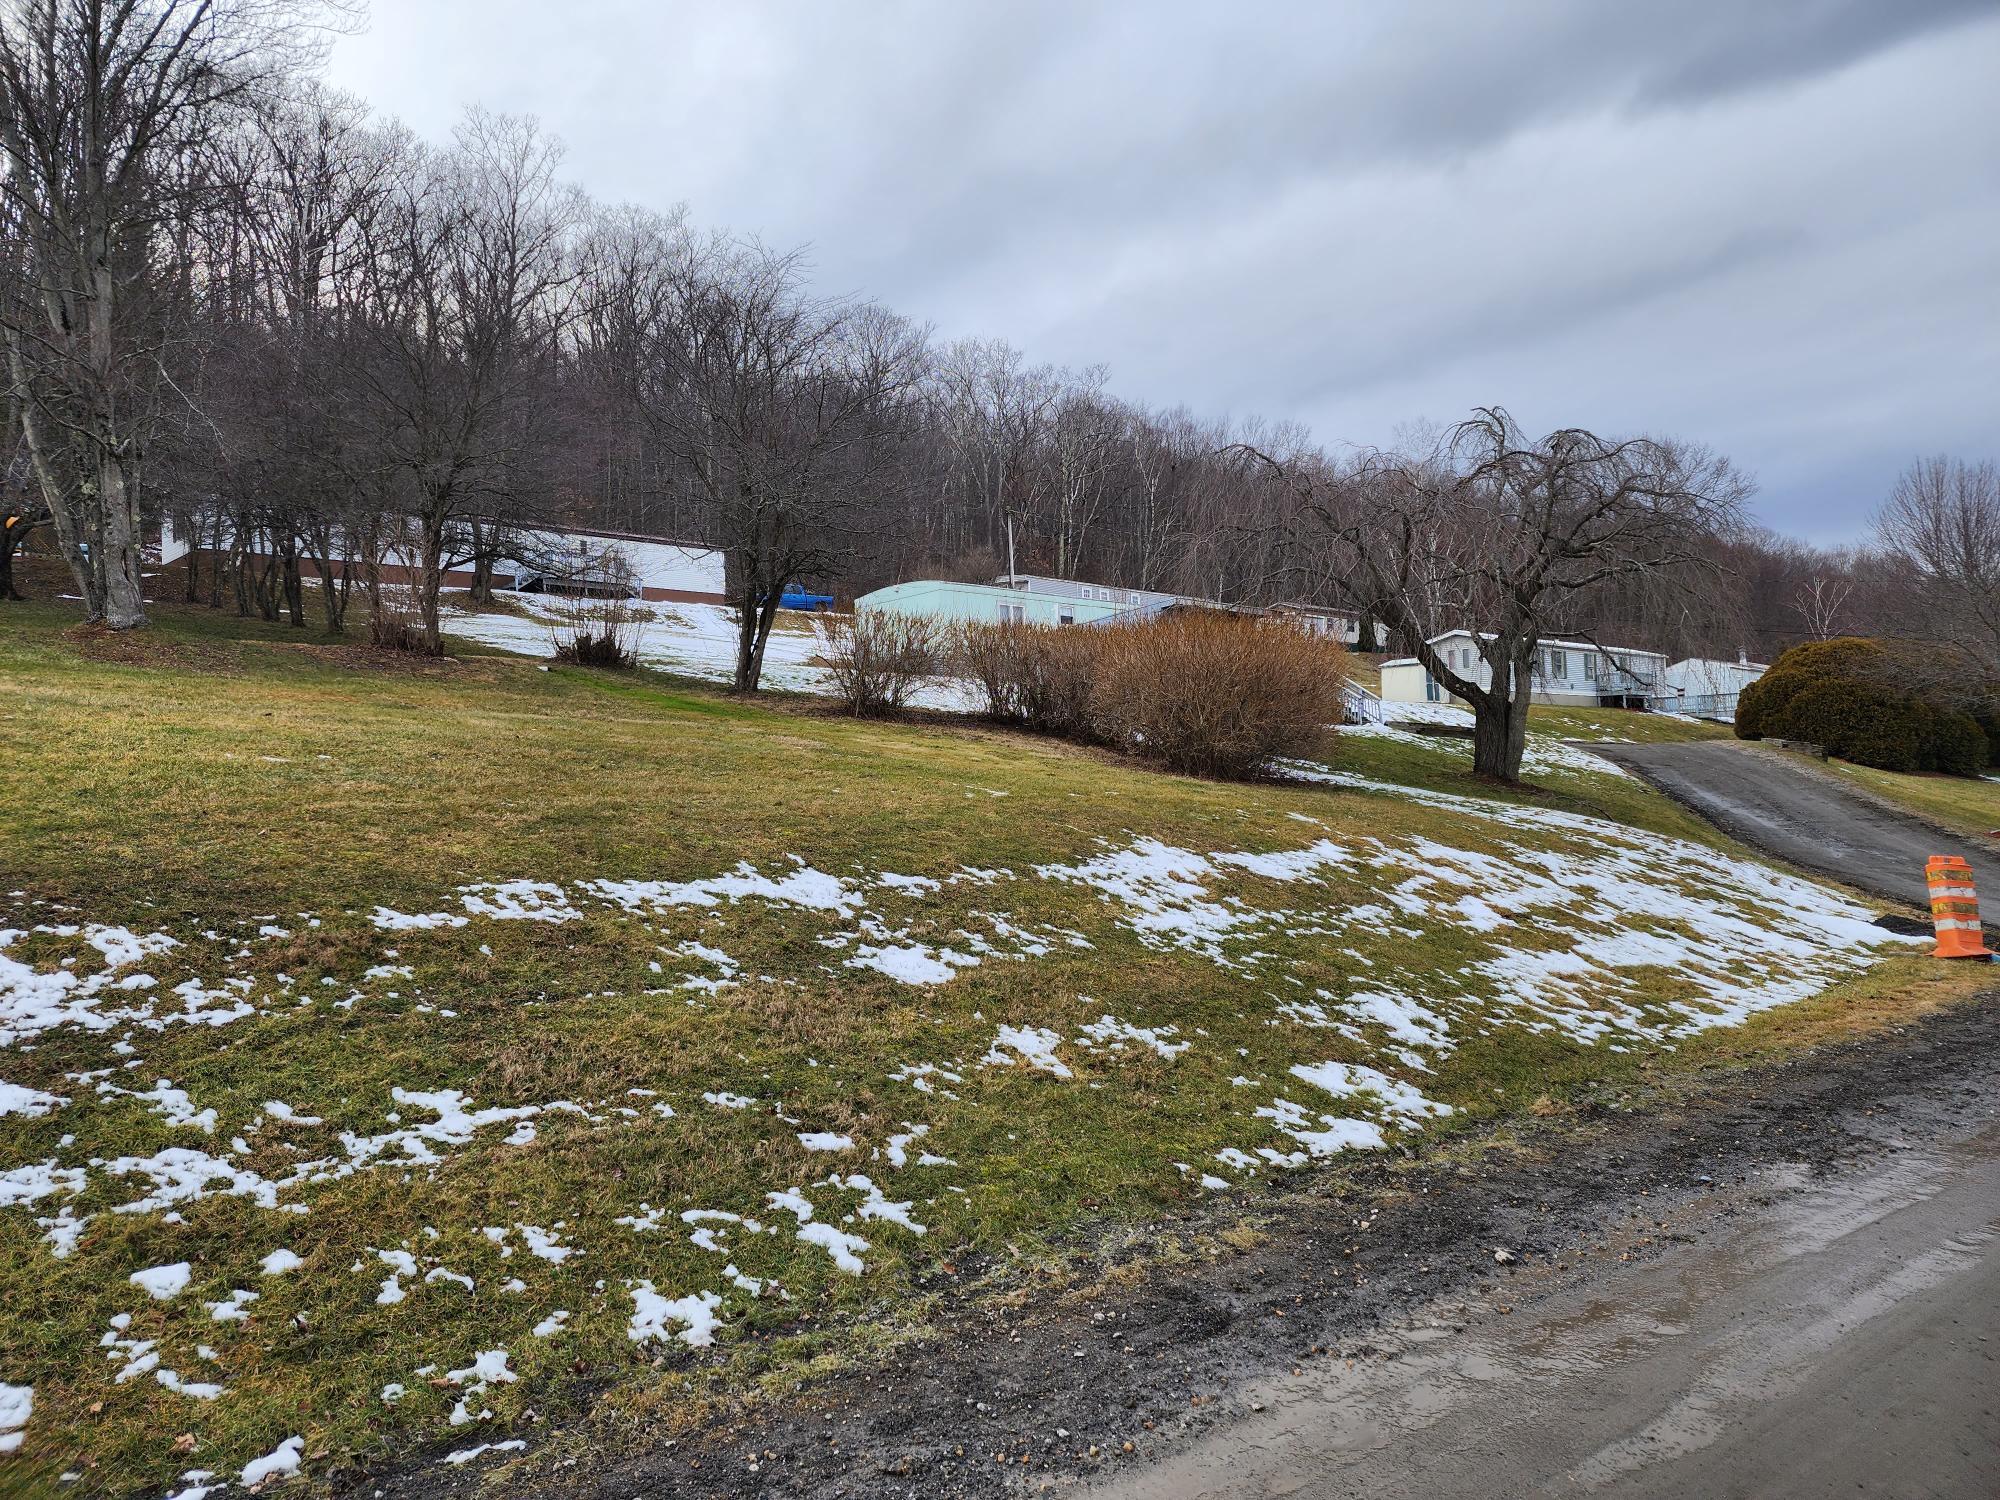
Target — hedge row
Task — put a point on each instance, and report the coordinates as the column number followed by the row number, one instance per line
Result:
column 1202, row 691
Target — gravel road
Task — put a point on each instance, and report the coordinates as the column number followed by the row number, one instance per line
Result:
column 1805, row 817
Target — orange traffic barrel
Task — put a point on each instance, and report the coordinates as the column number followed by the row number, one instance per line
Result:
column 1954, row 908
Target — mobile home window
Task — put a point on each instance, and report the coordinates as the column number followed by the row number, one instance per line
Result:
column 1558, row 664
column 1068, row 616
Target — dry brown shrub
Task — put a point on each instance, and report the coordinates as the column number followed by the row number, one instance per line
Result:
column 878, row 659
column 597, row 631
column 1040, row 676
column 1212, row 693
column 394, row 626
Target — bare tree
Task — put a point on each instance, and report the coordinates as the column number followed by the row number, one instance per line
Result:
column 780, row 406
column 470, row 270
column 1821, row 602
column 1508, row 536
column 107, row 112
column 1942, row 521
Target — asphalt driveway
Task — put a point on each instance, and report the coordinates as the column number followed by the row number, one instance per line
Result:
column 1807, row 818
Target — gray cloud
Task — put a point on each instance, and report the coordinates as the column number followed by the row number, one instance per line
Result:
column 1769, row 226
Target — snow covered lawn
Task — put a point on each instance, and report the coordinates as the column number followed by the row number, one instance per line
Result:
column 690, row 640
column 389, row 1053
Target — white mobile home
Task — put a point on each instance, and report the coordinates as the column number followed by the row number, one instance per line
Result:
column 1707, row 688
column 551, row 559
column 1026, row 598
column 1031, row 598
column 1574, row 673
column 572, row 559
column 1344, row 625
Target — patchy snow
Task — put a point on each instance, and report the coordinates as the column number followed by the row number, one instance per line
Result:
column 793, row 1201
column 163, row 1282
column 199, row 1390
column 234, row 1310
column 913, row 963
column 170, row 1103
column 17, row 1404
column 803, row 887
column 31, row 1104
column 488, row 1367
column 545, row 1244
column 35, row 1000
column 843, row 1247
column 280, row 1261
column 397, row 921
column 1108, row 1031
column 877, row 1205
column 825, row 1140
column 283, row 1459
column 466, row 1455
column 1320, row 1134
column 1347, row 1080
column 658, row 1317
column 1033, row 1045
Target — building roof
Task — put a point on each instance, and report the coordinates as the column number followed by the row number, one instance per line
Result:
column 1738, row 665
column 556, row 528
column 1487, row 635
column 1318, row 609
column 1074, row 588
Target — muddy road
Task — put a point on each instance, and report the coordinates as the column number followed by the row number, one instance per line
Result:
column 1665, row 1275
column 1840, row 1337
column 1805, row 817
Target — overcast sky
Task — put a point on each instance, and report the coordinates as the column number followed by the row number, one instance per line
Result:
column 1773, row 225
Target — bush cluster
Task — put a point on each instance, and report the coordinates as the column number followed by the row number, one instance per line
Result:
column 1205, row 692
column 1841, row 694
column 877, row 660
column 596, row 631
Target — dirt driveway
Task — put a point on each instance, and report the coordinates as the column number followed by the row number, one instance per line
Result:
column 1806, row 817
column 1833, row 1338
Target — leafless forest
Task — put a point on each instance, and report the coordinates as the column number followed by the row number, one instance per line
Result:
column 239, row 301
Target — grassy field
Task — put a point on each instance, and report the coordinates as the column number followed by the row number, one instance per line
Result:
column 486, row 1039
column 1969, row 806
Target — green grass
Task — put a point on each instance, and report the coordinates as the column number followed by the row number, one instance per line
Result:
column 212, row 778
column 1957, row 802
column 1622, row 724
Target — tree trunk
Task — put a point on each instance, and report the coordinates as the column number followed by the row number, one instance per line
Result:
column 215, row 565
column 1367, row 640
column 766, row 616
column 430, row 579
column 124, row 601
column 71, row 527
column 1500, row 723
column 295, row 600
column 8, row 542
column 749, row 660
column 267, row 588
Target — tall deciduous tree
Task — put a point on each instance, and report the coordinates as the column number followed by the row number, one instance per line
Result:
column 108, row 109
column 1513, row 538
column 781, row 407
column 471, row 272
